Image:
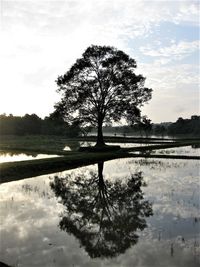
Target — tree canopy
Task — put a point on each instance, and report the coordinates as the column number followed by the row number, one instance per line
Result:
column 102, row 87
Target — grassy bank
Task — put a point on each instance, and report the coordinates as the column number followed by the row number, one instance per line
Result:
column 23, row 169
column 36, row 143
column 57, row 143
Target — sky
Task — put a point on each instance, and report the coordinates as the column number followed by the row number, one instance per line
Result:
column 40, row 40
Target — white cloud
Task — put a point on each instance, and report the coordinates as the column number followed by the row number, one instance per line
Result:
column 188, row 12
column 175, row 51
column 132, row 18
column 175, row 91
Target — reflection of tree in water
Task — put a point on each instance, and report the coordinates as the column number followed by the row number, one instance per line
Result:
column 103, row 215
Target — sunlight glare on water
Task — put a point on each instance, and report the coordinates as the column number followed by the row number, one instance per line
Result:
column 10, row 157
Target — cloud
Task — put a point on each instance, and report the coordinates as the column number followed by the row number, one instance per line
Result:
column 175, row 51
column 175, row 90
column 42, row 39
column 131, row 19
column 188, row 12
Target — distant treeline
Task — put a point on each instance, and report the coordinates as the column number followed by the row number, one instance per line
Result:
column 52, row 125
column 180, row 127
column 32, row 124
column 185, row 126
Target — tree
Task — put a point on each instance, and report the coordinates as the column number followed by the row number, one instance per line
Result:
column 102, row 87
column 105, row 216
column 145, row 125
column 159, row 130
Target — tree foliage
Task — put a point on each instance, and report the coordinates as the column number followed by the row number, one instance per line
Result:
column 102, row 87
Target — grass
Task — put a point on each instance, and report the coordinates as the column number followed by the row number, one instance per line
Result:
column 23, row 169
column 36, row 143
column 54, row 145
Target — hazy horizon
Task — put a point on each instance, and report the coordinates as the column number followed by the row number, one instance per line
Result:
column 42, row 39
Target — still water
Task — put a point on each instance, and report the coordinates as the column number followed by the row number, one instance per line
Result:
column 10, row 157
column 185, row 150
column 86, row 143
column 124, row 212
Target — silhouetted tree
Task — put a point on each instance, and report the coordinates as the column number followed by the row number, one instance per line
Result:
column 102, row 87
column 103, row 215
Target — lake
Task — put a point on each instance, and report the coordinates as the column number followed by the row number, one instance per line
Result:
column 124, row 212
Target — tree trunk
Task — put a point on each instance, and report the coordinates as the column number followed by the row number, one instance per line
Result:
column 102, row 186
column 100, row 140
column 100, row 172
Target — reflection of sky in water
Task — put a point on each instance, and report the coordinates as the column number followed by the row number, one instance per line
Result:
column 30, row 216
column 178, row 150
column 125, row 145
column 10, row 157
column 117, row 144
column 187, row 150
column 118, row 134
column 67, row 148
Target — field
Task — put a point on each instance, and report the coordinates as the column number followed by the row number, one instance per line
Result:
column 73, row 158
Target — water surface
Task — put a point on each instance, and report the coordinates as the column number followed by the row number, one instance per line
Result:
column 185, row 150
column 10, row 157
column 61, row 219
column 87, row 143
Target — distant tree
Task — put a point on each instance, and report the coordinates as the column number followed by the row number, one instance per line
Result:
column 30, row 124
column 180, row 120
column 145, row 126
column 195, row 117
column 102, row 87
column 33, row 125
column 159, row 130
column 185, row 126
column 54, row 125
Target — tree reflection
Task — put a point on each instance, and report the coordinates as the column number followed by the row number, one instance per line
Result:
column 104, row 215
